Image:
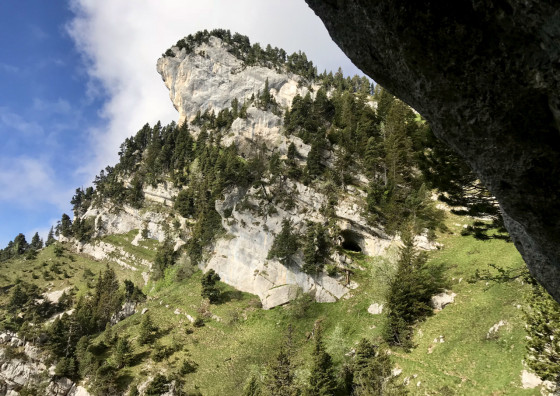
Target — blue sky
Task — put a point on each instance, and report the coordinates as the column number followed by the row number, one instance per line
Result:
column 43, row 110
column 78, row 76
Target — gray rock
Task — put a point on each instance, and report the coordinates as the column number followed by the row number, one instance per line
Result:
column 59, row 387
column 375, row 309
column 127, row 309
column 441, row 300
column 529, row 380
column 487, row 80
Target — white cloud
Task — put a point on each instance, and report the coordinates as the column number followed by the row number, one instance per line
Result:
column 121, row 41
column 29, row 182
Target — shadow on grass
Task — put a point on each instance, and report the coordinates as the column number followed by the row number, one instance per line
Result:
column 230, row 295
column 139, row 358
column 486, row 231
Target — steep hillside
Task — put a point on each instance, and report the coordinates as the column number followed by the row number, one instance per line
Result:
column 260, row 246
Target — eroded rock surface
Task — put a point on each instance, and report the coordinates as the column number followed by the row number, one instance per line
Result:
column 486, row 76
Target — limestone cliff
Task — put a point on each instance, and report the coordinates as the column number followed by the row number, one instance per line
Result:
column 206, row 79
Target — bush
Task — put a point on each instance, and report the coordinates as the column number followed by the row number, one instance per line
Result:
column 158, row 386
column 188, row 367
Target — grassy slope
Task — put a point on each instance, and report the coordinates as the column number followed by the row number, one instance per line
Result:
column 40, row 271
column 467, row 362
column 245, row 337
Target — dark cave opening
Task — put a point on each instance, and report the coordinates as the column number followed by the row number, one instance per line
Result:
column 351, row 241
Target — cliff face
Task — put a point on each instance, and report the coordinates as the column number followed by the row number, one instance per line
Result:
column 208, row 78
column 211, row 77
column 487, row 79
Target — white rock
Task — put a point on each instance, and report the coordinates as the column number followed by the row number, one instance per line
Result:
column 375, row 308
column 127, row 309
column 395, row 372
column 78, row 391
column 144, row 310
column 529, row 380
column 54, row 296
column 211, row 81
column 177, row 311
column 493, row 331
column 190, row 318
column 439, row 301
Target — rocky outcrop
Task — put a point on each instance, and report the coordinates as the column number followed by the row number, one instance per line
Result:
column 25, row 367
column 210, row 77
column 240, row 258
column 486, row 76
column 109, row 220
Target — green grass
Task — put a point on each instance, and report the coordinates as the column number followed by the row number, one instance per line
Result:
column 467, row 362
column 146, row 249
column 240, row 338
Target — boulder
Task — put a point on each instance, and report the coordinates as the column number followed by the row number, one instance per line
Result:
column 439, row 301
column 280, row 295
column 529, row 380
column 375, row 309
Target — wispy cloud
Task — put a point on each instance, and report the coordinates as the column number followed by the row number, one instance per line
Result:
column 59, row 106
column 27, row 182
column 7, row 68
column 18, row 123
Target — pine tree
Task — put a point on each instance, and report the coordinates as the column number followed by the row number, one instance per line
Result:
column 20, row 245
column 209, row 287
column 252, row 387
column 36, row 242
column 280, row 379
column 410, row 291
column 50, row 237
column 65, row 226
column 147, row 330
column 285, row 244
column 322, row 379
column 123, row 353
column 543, row 330
column 371, row 372
column 316, row 248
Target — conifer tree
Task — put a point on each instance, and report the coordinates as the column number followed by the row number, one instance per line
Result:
column 50, row 237
column 543, row 330
column 65, row 226
column 147, row 329
column 123, row 353
column 322, row 379
column 371, row 372
column 280, row 379
column 316, row 248
column 252, row 387
column 209, row 287
column 410, row 292
column 36, row 242
column 20, row 244
column 285, row 244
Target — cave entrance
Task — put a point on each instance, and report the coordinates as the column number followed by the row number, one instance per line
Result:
column 351, row 241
